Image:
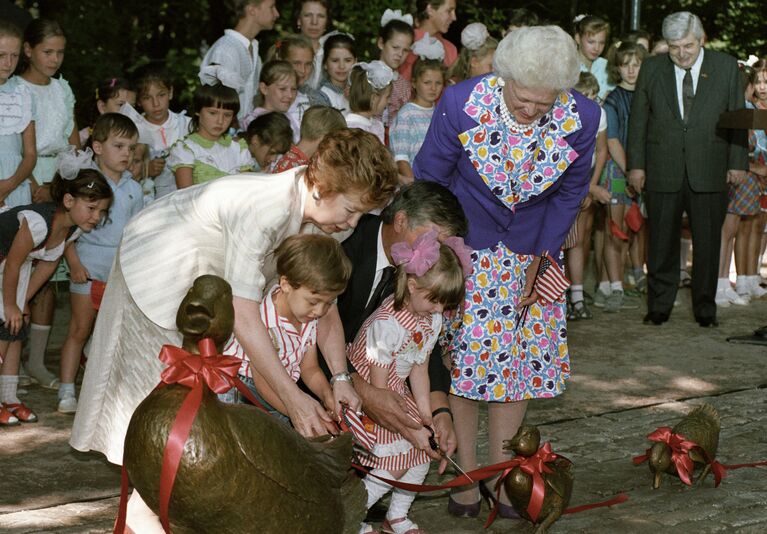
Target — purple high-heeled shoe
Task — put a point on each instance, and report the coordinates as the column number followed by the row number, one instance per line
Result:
column 505, row 511
column 457, row 509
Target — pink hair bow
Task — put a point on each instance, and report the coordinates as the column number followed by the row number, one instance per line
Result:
column 463, row 252
column 418, row 258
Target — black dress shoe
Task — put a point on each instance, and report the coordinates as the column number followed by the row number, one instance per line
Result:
column 655, row 318
column 706, row 322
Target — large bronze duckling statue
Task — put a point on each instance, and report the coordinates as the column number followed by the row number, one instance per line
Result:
column 241, row 470
column 556, row 479
column 692, row 444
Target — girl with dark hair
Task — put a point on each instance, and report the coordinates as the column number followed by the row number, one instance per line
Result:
column 339, row 56
column 109, row 97
column 394, row 41
column 55, row 130
column 209, row 152
column 39, row 233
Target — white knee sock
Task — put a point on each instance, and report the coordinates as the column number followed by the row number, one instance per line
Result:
column 8, row 386
column 141, row 518
column 376, row 488
column 402, row 499
column 38, row 341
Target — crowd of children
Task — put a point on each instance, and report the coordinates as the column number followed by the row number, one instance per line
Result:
column 270, row 117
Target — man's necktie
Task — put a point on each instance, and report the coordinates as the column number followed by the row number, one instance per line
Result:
column 380, row 292
column 687, row 94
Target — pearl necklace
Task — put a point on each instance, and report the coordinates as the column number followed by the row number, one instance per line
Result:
column 511, row 124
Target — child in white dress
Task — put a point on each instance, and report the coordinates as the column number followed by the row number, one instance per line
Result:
column 39, row 233
column 17, row 125
column 392, row 347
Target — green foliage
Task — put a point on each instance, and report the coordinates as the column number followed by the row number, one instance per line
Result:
column 107, row 38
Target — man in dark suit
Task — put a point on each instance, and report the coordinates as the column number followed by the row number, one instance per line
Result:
column 417, row 208
column 684, row 162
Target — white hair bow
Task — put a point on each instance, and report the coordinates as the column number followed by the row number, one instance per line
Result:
column 331, row 34
column 429, row 47
column 395, row 14
column 71, row 161
column 378, row 73
column 214, row 74
column 474, row 35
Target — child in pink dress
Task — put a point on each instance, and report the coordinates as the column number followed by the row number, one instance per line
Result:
column 393, row 346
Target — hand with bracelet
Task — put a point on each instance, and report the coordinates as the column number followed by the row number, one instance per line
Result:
column 344, row 393
column 442, row 421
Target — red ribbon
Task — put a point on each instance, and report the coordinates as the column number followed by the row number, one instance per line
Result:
column 680, row 449
column 534, row 466
column 195, row 371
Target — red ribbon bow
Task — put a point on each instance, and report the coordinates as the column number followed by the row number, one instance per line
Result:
column 534, row 466
column 680, row 449
column 216, row 371
column 219, row 374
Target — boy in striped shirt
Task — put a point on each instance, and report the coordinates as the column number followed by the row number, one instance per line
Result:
column 313, row 270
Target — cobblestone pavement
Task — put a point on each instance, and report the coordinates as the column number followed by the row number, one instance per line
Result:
column 628, row 379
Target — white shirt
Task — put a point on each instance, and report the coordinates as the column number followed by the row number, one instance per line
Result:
column 381, row 263
column 679, row 73
column 231, row 52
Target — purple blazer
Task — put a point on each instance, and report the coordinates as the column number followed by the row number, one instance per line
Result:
column 541, row 219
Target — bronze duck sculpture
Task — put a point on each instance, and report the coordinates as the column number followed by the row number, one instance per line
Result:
column 691, row 445
column 555, row 472
column 241, row 470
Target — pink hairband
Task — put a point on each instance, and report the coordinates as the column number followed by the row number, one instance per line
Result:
column 424, row 253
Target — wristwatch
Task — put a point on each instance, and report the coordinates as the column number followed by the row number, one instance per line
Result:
column 340, row 377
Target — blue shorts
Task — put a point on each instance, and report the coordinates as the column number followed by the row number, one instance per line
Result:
column 233, row 396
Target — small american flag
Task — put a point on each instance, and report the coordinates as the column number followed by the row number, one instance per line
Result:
column 550, row 283
column 362, row 435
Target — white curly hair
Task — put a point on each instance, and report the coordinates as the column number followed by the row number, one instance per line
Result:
column 538, row 57
column 680, row 24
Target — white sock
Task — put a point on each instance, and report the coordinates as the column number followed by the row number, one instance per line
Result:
column 376, row 488
column 616, row 286
column 401, row 499
column 684, row 251
column 38, row 341
column 576, row 293
column 742, row 284
column 722, row 284
column 604, row 287
column 753, row 280
column 66, row 390
column 8, row 386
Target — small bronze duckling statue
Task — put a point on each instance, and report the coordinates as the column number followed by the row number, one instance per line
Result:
column 241, row 470
column 692, row 444
column 538, row 465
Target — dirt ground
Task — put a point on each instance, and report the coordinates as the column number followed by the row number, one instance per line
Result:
column 627, row 380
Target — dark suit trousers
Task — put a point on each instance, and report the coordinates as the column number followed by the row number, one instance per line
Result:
column 706, row 212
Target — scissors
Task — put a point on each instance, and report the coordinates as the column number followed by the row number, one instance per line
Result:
column 435, row 447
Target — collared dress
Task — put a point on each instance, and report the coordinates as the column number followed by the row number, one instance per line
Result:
column 535, row 179
column 17, row 111
column 395, row 340
column 210, row 159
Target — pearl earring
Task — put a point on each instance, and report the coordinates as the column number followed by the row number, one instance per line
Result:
column 316, row 196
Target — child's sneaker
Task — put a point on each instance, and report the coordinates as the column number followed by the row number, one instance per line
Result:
column 600, row 299
column 68, row 404
column 614, row 302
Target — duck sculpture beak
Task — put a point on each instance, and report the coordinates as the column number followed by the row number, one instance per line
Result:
column 656, row 480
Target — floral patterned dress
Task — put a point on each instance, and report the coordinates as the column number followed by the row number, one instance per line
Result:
column 396, row 340
column 498, row 354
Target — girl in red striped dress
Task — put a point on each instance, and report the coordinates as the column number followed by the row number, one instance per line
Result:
column 393, row 345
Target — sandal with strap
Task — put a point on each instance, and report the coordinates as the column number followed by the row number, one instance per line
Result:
column 387, row 527
column 21, row 411
column 7, row 418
